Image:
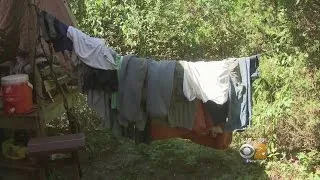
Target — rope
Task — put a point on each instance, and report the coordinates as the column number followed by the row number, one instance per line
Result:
column 73, row 123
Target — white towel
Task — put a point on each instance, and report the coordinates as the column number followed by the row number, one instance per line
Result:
column 207, row 81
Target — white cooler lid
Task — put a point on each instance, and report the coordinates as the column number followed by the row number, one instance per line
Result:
column 14, row 79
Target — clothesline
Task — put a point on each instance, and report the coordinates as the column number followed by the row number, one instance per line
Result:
column 207, row 98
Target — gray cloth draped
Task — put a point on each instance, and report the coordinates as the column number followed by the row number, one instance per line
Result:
column 131, row 85
column 159, row 88
column 99, row 100
column 182, row 111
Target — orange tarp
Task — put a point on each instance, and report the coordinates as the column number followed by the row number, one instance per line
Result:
column 200, row 133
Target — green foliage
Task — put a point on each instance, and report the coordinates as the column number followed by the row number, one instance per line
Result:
column 286, row 97
column 87, row 118
column 182, row 159
column 309, row 161
column 306, row 166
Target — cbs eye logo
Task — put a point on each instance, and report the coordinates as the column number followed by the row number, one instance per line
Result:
column 247, row 151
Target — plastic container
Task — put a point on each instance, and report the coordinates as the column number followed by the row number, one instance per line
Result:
column 261, row 150
column 16, row 94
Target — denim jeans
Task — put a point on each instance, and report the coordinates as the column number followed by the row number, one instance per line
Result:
column 243, row 72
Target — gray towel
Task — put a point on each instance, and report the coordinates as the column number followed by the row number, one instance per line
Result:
column 131, row 84
column 159, row 87
column 182, row 111
column 99, row 101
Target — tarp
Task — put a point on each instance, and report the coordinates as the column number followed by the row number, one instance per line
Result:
column 16, row 23
column 12, row 13
column 160, row 131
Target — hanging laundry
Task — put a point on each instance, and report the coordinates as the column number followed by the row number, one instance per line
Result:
column 168, row 92
column 219, row 113
column 182, row 114
column 131, row 90
column 160, row 131
column 117, row 130
column 203, row 122
column 99, row 101
column 182, row 111
column 243, row 71
column 159, row 88
column 52, row 30
column 92, row 51
column 115, row 95
column 61, row 42
column 97, row 79
column 47, row 26
column 206, row 81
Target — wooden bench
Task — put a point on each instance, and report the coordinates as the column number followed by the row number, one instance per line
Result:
column 39, row 149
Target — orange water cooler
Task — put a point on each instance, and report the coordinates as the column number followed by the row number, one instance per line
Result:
column 16, row 94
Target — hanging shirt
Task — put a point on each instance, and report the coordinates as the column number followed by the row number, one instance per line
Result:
column 61, row 42
column 52, row 30
column 206, row 81
column 92, row 51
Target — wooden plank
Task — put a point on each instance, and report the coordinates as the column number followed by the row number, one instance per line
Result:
column 15, row 174
column 56, row 144
column 25, row 121
column 18, row 164
column 32, row 120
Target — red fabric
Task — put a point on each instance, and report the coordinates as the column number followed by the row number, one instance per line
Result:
column 203, row 122
column 200, row 133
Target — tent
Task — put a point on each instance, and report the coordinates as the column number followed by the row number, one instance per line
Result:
column 18, row 26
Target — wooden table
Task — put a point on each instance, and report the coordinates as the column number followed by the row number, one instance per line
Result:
column 33, row 121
